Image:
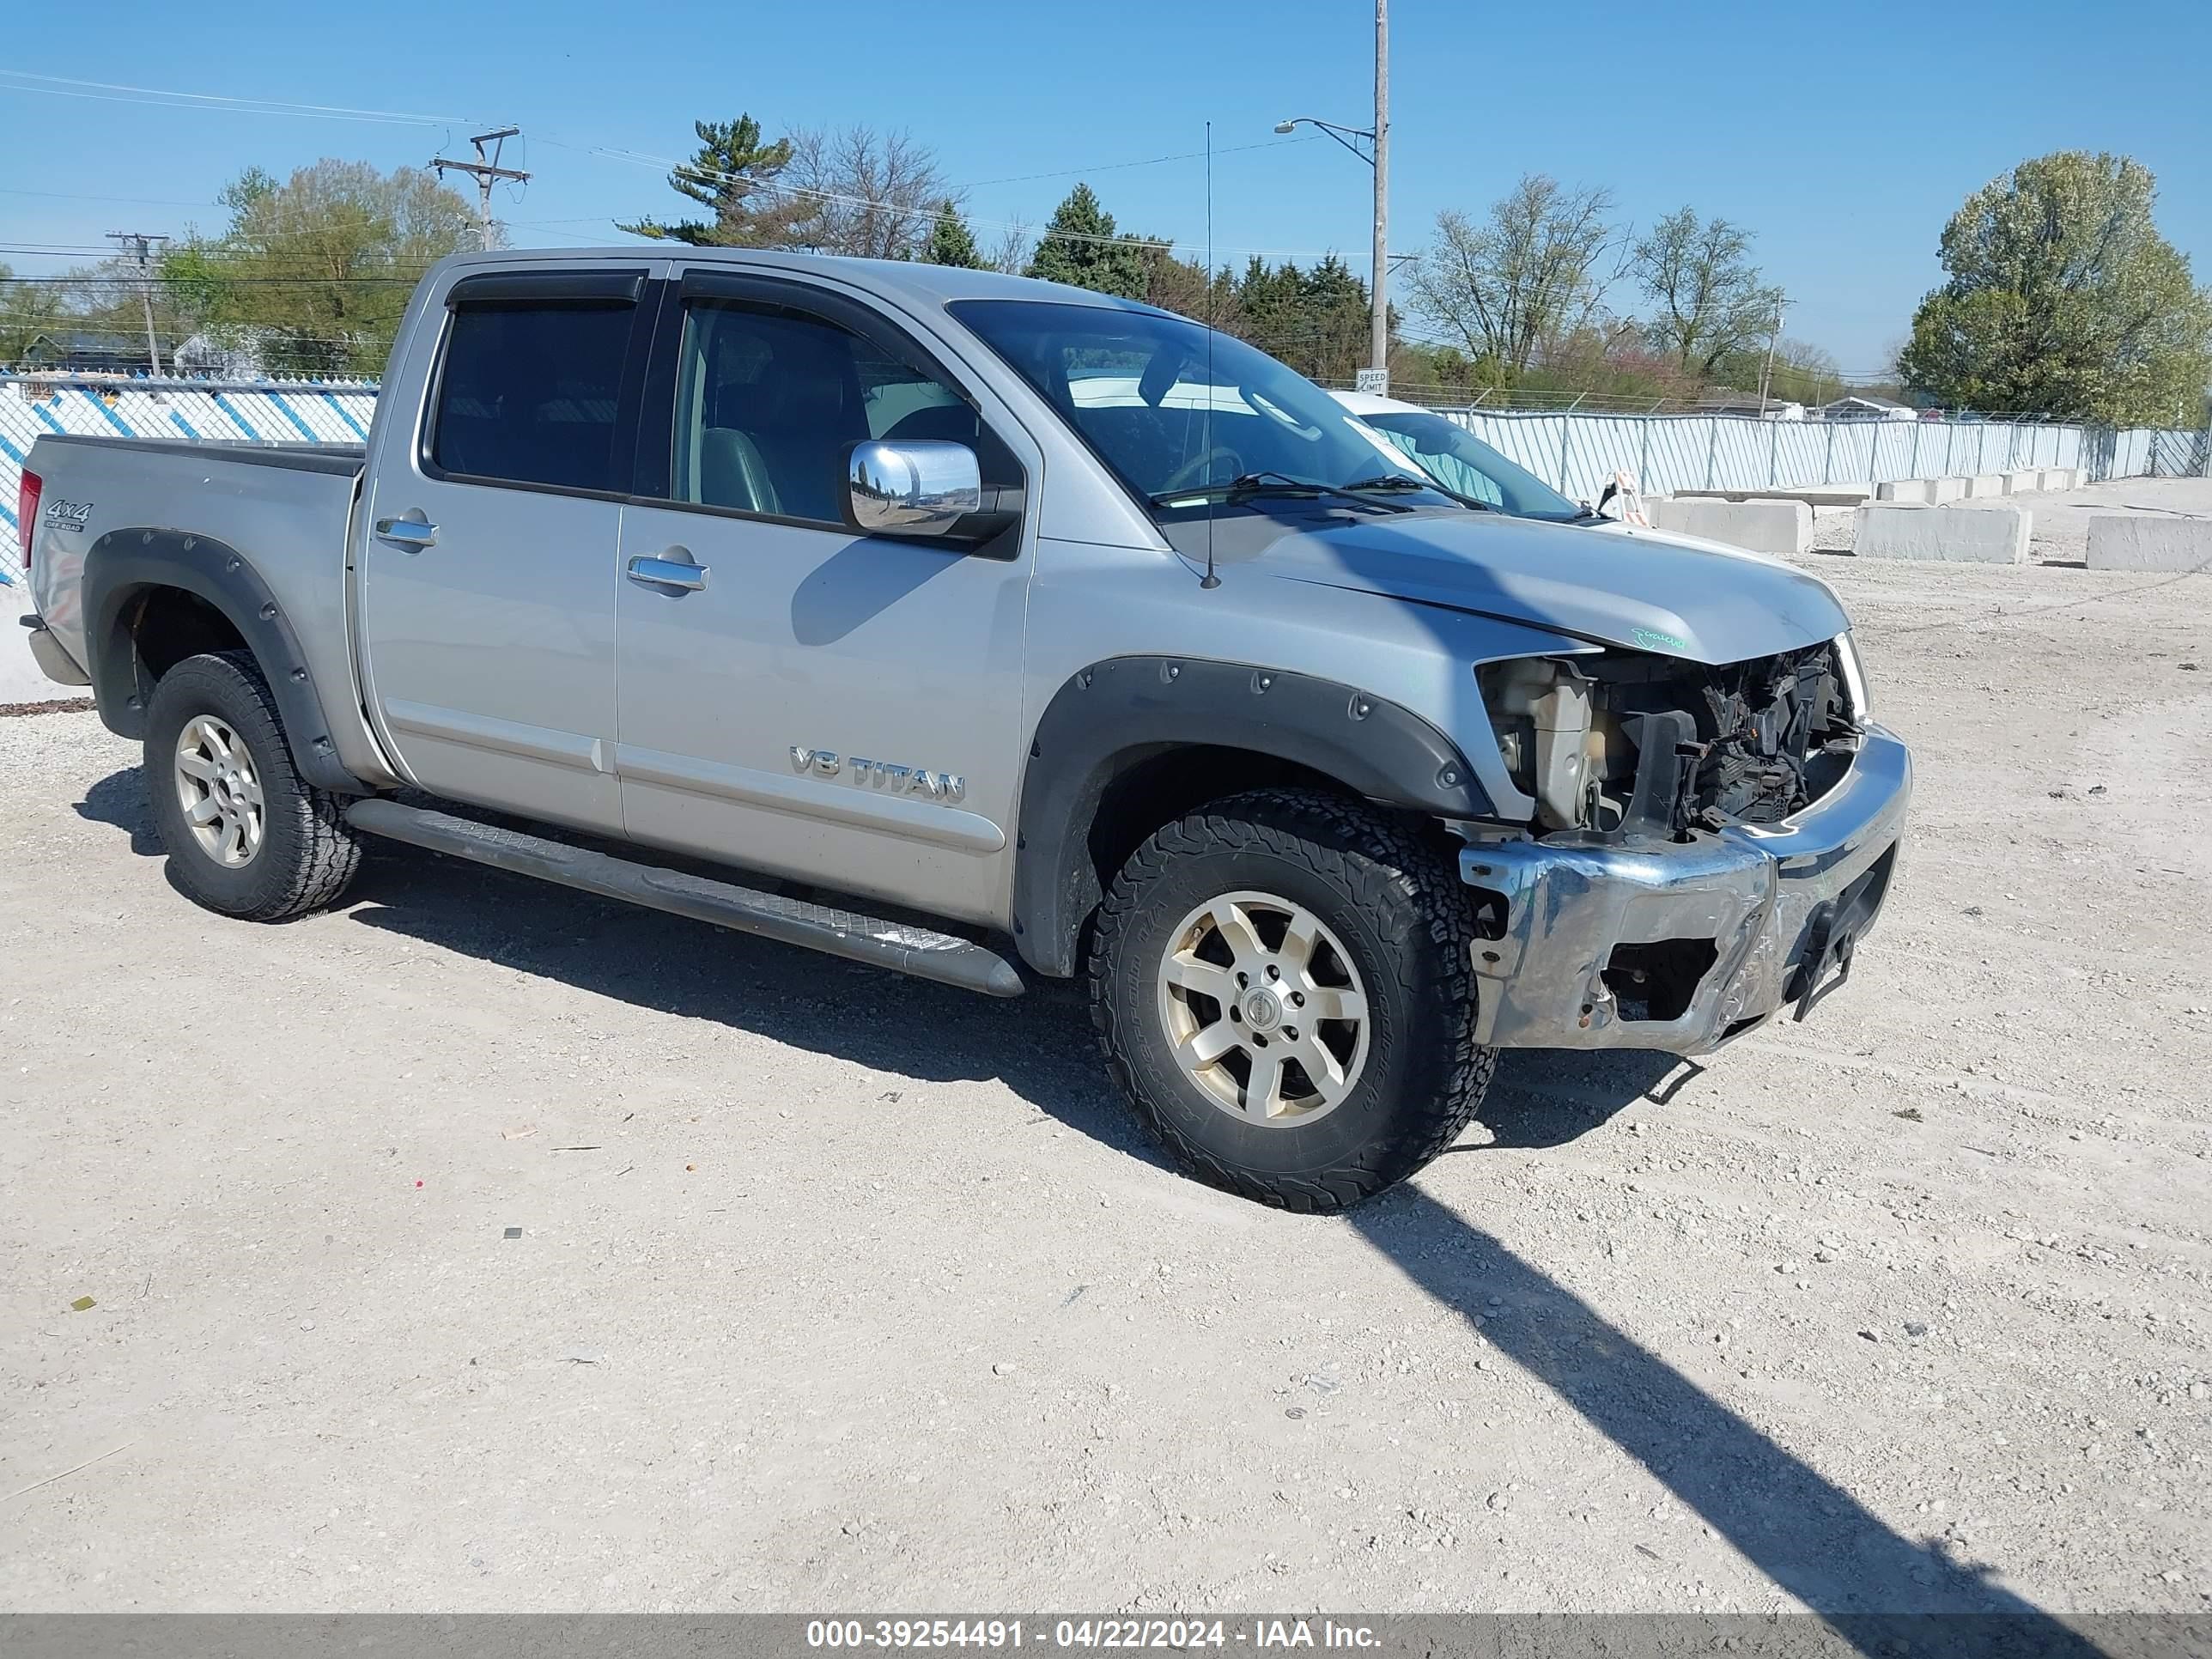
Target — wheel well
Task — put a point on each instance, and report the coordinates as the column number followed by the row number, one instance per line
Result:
column 168, row 624
column 1152, row 786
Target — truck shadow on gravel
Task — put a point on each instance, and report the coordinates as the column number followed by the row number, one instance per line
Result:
column 1878, row 1590
column 119, row 798
column 1040, row 1046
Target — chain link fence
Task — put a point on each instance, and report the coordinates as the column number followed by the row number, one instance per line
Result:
column 284, row 411
column 1576, row 453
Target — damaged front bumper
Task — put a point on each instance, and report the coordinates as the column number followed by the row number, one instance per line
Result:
column 1683, row 946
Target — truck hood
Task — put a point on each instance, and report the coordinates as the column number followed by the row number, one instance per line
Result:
column 1646, row 592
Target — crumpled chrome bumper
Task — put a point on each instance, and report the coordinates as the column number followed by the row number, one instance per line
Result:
column 1782, row 907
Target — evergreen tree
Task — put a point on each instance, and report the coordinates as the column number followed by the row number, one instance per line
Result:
column 1315, row 320
column 1079, row 246
column 734, row 173
column 949, row 242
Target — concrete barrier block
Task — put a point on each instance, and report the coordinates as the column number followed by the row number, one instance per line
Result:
column 1947, row 489
column 2060, row 477
column 1764, row 527
column 2145, row 541
column 1982, row 485
column 1922, row 490
column 2017, row 481
column 1978, row 535
column 1822, row 494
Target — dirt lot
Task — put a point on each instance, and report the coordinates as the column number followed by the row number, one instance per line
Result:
column 837, row 1291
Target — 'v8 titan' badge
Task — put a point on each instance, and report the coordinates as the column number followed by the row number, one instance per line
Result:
column 946, row 787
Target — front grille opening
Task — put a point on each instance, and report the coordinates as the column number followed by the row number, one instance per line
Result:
column 1657, row 981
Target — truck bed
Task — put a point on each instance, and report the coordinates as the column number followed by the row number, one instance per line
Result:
column 285, row 507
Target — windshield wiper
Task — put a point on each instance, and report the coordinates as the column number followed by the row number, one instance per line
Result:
column 1251, row 485
column 1399, row 481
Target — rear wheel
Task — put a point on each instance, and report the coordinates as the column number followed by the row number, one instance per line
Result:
column 245, row 837
column 1281, row 984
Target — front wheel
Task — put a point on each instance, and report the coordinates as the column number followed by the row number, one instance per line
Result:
column 245, row 836
column 1281, row 984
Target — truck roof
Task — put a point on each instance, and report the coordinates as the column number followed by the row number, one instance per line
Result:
column 907, row 279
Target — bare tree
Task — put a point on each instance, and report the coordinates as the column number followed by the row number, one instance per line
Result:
column 858, row 191
column 1016, row 247
column 1805, row 373
column 1711, row 302
column 1523, row 277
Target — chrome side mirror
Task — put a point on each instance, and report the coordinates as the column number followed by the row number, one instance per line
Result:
column 921, row 488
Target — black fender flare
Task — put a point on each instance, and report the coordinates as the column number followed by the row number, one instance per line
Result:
column 124, row 564
column 1126, row 708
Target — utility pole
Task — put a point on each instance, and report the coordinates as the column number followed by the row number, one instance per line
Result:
column 1766, row 374
column 485, row 169
column 140, row 243
column 1379, row 348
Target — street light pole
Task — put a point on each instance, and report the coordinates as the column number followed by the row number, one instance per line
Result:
column 1379, row 338
column 1377, row 376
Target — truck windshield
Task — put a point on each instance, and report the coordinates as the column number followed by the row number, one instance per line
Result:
column 1137, row 386
column 1466, row 465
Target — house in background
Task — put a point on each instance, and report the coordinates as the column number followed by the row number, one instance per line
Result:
column 71, row 352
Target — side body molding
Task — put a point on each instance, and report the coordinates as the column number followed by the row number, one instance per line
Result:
column 123, row 564
column 1118, row 713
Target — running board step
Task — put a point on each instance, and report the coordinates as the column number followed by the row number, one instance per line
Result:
column 893, row 944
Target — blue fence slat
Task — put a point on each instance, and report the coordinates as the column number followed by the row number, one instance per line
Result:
column 276, row 402
column 346, row 414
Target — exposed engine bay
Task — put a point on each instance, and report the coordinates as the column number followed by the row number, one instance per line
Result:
column 1630, row 744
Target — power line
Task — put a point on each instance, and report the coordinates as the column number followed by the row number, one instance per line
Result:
column 1118, row 167
column 62, row 86
column 78, row 196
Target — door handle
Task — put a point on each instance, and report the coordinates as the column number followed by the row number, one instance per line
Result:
column 407, row 532
column 667, row 573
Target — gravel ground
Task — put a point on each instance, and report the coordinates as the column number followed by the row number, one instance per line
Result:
column 833, row 1290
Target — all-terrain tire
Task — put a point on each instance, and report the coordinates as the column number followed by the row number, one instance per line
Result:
column 306, row 854
column 1403, row 920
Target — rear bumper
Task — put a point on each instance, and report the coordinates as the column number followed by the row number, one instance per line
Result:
column 54, row 663
column 1721, row 932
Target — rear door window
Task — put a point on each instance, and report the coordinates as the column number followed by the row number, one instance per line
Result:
column 529, row 394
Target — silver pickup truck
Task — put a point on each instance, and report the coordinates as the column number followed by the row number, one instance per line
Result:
column 986, row 628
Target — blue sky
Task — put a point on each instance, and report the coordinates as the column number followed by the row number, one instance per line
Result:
column 1843, row 136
